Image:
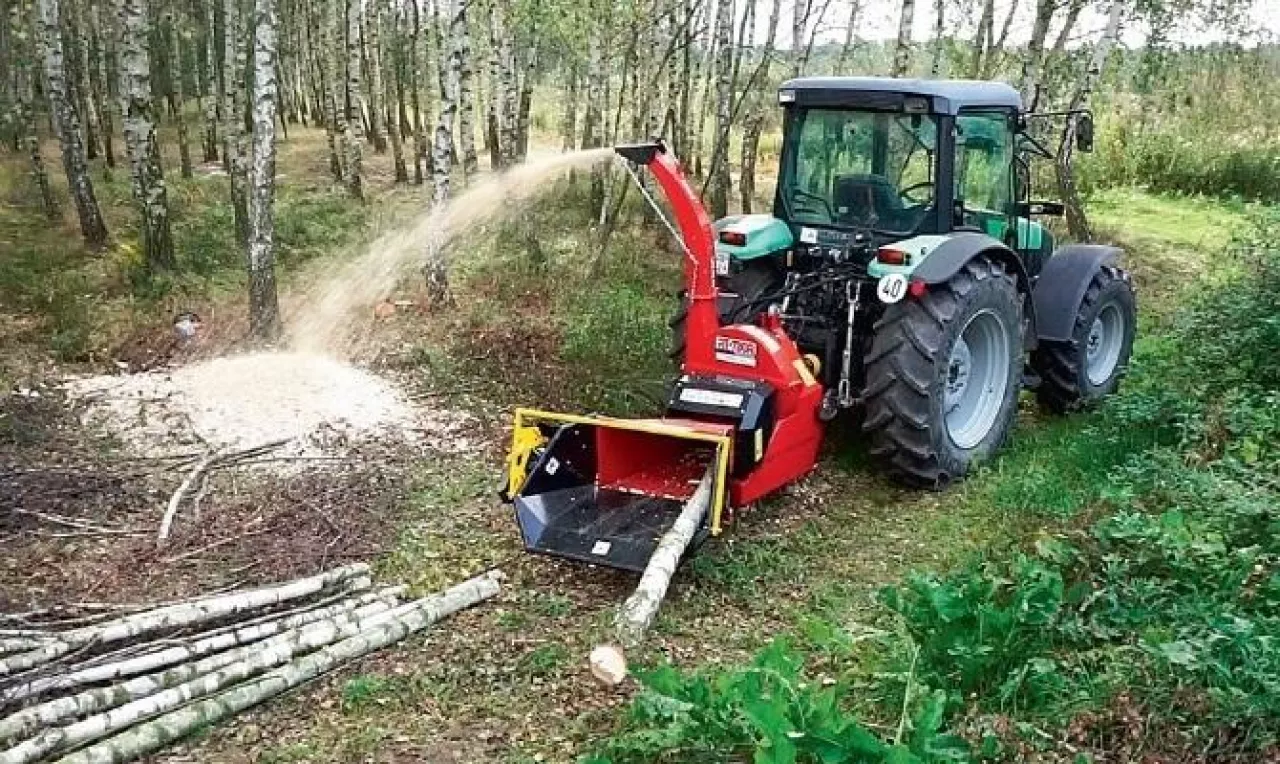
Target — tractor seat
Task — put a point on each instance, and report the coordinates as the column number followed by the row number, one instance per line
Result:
column 866, row 199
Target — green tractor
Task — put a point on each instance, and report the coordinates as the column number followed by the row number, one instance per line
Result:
column 902, row 259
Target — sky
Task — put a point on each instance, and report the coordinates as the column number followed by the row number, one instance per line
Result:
column 879, row 21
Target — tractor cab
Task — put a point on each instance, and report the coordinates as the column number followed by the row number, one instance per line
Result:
column 886, row 159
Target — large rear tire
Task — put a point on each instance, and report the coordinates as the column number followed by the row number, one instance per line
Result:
column 739, row 302
column 1077, row 374
column 943, row 375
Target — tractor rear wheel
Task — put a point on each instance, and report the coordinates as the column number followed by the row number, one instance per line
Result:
column 739, row 302
column 1079, row 373
column 943, row 375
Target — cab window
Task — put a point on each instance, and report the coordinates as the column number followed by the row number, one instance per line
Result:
column 984, row 161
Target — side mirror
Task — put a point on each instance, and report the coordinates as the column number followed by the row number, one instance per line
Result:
column 1027, row 209
column 1084, row 133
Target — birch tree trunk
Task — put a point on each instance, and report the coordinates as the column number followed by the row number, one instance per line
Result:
column 902, row 48
column 354, row 123
column 719, row 171
column 799, row 20
column 397, row 122
column 207, row 42
column 754, row 123
column 850, row 34
column 373, row 49
column 1077, row 221
column 525, row 106
column 140, row 135
column 1031, row 65
column 67, row 125
column 100, row 83
column 24, row 116
column 569, row 113
column 158, row 732
column 417, row 57
column 329, row 70
column 593, row 116
column 176, row 34
column 995, row 52
column 939, row 19
column 442, row 152
column 496, row 112
column 264, row 308
column 460, row 28
column 79, row 36
column 233, row 72
column 982, row 38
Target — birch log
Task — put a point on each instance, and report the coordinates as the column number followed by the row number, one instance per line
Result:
column 183, row 614
column 147, row 696
column 158, row 732
column 17, row 724
column 608, row 661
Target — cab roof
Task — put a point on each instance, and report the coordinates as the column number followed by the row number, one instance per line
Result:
column 946, row 96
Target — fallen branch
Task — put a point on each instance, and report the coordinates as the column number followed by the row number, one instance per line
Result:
column 150, row 695
column 158, row 732
column 171, row 509
column 178, row 615
column 78, row 523
column 608, row 661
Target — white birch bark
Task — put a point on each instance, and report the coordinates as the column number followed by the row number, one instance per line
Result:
column 850, row 34
column 66, row 124
column 1077, row 221
column 496, row 110
column 354, row 104
column 371, row 23
column 140, row 142
column 799, row 20
column 466, row 91
column 176, row 31
column 719, row 170
column 294, row 630
column 939, row 19
column 608, row 662
column 329, row 69
column 19, row 723
column 1031, row 65
column 902, row 48
column 233, row 84
column 512, row 111
column 24, row 123
column 156, row 733
column 181, row 614
column 753, row 125
column 147, row 696
column 442, row 147
column 264, row 306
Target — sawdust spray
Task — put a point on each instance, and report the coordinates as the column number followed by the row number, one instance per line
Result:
column 325, row 315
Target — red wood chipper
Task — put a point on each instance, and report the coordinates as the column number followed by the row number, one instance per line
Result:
column 604, row 490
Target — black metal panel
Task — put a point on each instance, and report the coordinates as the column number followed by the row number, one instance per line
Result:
column 597, row 526
column 753, row 417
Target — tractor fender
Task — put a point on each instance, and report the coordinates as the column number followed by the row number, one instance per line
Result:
column 950, row 256
column 1062, row 284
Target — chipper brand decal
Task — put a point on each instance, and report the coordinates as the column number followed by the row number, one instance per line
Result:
column 738, row 352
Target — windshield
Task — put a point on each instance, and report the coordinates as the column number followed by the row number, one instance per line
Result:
column 860, row 169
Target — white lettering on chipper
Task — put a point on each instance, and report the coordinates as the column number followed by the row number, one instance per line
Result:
column 734, row 351
column 711, row 397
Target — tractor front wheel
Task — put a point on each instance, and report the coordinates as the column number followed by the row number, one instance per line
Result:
column 943, row 375
column 1083, row 371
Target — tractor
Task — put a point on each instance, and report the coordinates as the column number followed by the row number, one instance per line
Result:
column 900, row 277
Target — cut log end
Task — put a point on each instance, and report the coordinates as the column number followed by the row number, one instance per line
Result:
column 609, row 664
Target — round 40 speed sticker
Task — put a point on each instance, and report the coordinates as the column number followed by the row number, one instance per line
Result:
column 892, row 287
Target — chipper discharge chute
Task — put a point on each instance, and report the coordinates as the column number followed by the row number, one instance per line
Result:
column 743, row 414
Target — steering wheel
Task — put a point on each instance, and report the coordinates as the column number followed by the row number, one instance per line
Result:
column 909, row 190
column 799, row 194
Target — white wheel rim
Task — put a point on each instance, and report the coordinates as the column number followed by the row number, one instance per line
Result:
column 1103, row 345
column 977, row 379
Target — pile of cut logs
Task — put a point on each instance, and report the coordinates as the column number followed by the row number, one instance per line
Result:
column 111, row 684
